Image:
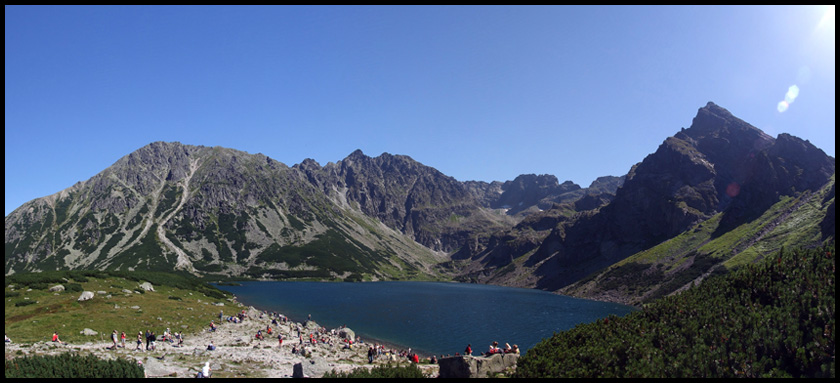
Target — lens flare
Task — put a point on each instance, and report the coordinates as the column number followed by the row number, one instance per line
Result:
column 790, row 96
column 782, row 107
column 733, row 189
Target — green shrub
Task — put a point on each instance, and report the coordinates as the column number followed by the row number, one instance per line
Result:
column 771, row 319
column 73, row 287
column 70, row 365
column 410, row 371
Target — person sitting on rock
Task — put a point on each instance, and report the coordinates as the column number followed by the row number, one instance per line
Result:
column 494, row 348
column 55, row 338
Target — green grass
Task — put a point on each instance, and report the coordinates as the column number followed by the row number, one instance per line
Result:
column 176, row 308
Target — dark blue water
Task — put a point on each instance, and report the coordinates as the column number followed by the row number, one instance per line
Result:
column 430, row 317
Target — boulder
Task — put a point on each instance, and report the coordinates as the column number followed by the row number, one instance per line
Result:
column 88, row 332
column 146, row 286
column 475, row 366
column 57, row 288
column 297, row 370
column 86, row 295
column 311, row 325
column 347, row 333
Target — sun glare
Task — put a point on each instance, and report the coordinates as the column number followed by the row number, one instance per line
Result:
column 827, row 21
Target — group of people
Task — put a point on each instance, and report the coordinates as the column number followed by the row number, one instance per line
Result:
column 495, row 349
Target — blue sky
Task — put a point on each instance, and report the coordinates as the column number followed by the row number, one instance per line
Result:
column 480, row 93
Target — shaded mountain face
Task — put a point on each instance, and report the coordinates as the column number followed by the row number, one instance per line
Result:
column 212, row 210
column 720, row 164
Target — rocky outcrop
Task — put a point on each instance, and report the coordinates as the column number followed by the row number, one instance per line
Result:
column 468, row 366
column 405, row 195
column 719, row 164
column 346, row 333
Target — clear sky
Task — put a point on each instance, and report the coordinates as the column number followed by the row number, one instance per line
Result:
column 480, row 93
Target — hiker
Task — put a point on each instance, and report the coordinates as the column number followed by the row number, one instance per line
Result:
column 205, row 371
column 370, row 354
column 468, row 351
column 7, row 339
column 280, row 340
column 494, row 348
column 212, row 326
column 139, row 341
column 114, row 340
column 55, row 338
column 122, row 338
column 152, row 339
column 211, row 346
column 147, row 340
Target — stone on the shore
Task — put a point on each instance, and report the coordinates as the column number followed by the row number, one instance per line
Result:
column 57, row 288
column 146, row 286
column 297, row 371
column 475, row 366
column 86, row 295
column 347, row 333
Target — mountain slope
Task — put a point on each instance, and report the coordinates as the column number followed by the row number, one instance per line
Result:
column 206, row 210
column 721, row 167
column 218, row 211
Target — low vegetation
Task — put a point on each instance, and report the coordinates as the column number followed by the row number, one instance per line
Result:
column 775, row 318
column 389, row 371
column 71, row 366
column 181, row 303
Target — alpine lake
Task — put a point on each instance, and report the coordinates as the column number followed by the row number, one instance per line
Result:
column 437, row 318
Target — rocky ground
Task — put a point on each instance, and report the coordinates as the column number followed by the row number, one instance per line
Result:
column 237, row 354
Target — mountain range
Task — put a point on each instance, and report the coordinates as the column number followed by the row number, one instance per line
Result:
column 711, row 197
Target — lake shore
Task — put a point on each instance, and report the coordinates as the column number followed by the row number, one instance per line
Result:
column 238, row 353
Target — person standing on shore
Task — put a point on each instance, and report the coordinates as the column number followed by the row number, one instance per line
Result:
column 114, row 340
column 468, row 351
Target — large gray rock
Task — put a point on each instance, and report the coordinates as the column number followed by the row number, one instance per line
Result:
column 88, row 332
column 347, row 333
column 86, row 295
column 311, row 325
column 57, row 288
column 475, row 366
column 297, row 371
column 146, row 286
